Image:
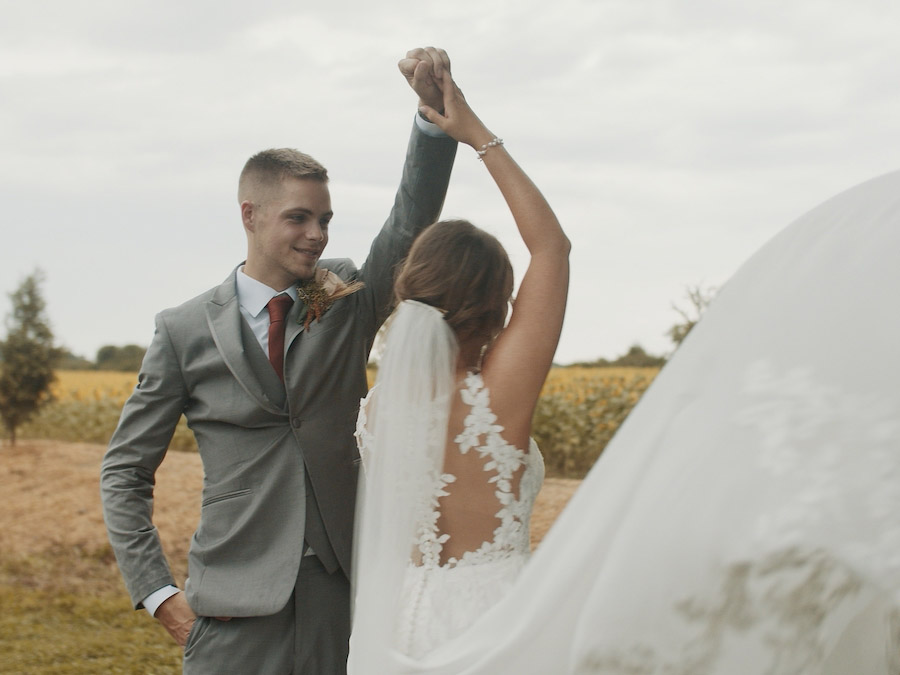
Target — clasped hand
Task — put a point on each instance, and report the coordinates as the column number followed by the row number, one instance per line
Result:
column 428, row 72
column 424, row 69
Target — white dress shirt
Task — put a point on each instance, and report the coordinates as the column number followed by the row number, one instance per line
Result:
column 253, row 296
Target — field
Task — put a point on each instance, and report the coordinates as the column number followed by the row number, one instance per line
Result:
column 578, row 412
column 93, row 385
column 64, row 607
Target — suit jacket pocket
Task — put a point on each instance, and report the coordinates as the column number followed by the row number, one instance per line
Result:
column 224, row 496
column 223, row 521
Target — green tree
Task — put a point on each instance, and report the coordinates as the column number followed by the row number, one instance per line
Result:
column 699, row 298
column 70, row 361
column 126, row 359
column 636, row 357
column 27, row 357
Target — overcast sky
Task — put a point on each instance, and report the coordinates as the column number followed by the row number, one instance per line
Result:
column 673, row 138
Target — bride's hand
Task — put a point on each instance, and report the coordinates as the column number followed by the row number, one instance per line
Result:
column 458, row 121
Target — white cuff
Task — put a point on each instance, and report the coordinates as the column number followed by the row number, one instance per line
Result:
column 428, row 128
column 152, row 602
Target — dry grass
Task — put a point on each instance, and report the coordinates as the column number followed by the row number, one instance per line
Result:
column 52, row 508
column 65, row 609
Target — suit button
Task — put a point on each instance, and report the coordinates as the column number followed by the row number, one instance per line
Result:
column 295, row 422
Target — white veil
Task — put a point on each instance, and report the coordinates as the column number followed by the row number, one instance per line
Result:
column 746, row 517
column 406, row 421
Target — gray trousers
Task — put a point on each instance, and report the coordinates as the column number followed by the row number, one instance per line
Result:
column 309, row 636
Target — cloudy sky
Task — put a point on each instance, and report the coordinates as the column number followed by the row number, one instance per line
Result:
column 673, row 138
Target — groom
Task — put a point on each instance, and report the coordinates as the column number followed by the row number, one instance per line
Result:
column 270, row 383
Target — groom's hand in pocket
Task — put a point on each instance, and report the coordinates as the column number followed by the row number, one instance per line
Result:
column 177, row 617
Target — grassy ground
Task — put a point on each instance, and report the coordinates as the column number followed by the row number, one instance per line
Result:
column 63, row 607
column 62, row 632
column 65, row 611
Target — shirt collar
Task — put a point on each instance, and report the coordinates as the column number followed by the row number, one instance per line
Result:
column 254, row 295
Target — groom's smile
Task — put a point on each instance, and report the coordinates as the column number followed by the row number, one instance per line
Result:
column 287, row 231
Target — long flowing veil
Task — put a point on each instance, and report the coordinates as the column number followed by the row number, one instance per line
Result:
column 746, row 517
column 407, row 422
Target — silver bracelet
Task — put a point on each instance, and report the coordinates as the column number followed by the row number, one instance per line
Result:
column 487, row 146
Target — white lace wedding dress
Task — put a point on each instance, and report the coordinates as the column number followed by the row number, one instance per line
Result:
column 449, row 584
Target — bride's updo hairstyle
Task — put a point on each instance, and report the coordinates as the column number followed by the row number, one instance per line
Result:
column 463, row 271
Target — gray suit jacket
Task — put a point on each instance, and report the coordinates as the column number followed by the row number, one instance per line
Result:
column 280, row 461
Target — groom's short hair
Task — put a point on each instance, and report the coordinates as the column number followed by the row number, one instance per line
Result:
column 272, row 166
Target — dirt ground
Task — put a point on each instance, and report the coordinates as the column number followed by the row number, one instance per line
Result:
column 50, row 508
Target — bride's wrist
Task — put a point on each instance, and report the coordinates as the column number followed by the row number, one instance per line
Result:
column 479, row 138
column 483, row 149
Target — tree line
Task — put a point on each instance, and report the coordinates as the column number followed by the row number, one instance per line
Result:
column 109, row 357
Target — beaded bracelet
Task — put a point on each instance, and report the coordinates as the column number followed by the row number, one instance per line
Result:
column 487, row 146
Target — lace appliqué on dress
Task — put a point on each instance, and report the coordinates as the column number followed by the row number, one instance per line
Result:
column 773, row 609
column 439, row 601
column 511, row 537
column 364, row 438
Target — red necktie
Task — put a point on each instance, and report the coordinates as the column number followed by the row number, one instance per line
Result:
column 278, row 308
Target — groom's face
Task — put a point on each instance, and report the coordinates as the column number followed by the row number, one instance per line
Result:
column 288, row 231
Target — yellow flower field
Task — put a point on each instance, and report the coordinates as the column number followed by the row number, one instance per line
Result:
column 86, row 385
column 579, row 411
column 93, row 385
column 572, row 380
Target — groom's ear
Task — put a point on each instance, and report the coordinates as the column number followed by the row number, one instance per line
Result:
column 247, row 215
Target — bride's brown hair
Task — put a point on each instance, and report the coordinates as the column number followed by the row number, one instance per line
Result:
column 463, row 271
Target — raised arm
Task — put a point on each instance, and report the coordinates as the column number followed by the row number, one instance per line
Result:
column 516, row 366
column 423, row 185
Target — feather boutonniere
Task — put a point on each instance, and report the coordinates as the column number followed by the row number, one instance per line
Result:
column 319, row 292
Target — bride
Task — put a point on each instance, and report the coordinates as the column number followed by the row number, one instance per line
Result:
column 450, row 472
column 745, row 519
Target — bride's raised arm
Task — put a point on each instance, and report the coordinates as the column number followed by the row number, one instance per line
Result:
column 518, row 362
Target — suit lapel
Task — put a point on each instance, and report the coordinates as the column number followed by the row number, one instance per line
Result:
column 224, row 318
